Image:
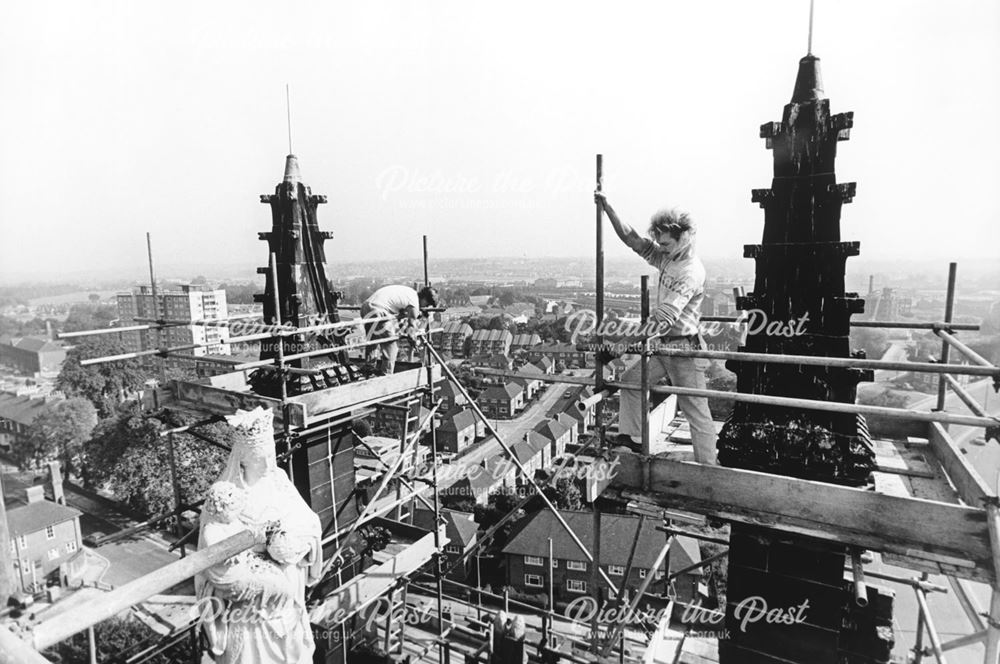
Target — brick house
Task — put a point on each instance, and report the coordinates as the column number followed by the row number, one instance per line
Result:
column 450, row 396
column 556, row 434
column 461, row 531
column 495, row 361
column 477, row 483
column 525, row 556
column 457, row 430
column 18, row 412
column 45, row 540
column 533, row 453
column 565, row 353
column 33, row 355
column 501, row 401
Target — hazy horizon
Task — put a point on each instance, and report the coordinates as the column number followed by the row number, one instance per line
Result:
column 476, row 127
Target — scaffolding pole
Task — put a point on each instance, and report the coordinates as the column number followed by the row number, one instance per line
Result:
column 949, row 308
column 520, row 467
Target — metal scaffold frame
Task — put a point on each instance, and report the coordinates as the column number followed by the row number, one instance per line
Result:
column 968, row 485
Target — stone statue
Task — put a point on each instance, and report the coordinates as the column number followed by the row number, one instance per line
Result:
column 253, row 605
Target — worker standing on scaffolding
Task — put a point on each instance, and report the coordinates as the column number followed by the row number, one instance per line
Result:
column 677, row 315
column 403, row 306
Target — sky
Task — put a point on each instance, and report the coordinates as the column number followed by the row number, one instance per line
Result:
column 477, row 124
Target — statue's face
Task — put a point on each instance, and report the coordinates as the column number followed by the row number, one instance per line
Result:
column 253, row 467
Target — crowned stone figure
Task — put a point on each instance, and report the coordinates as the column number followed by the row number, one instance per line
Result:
column 252, row 606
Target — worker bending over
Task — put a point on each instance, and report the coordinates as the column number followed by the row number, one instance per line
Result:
column 400, row 304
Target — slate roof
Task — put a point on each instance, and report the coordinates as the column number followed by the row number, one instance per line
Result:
column 31, row 518
column 506, row 391
column 684, row 551
column 551, row 429
column 456, row 327
column 617, row 533
column 458, row 419
column 524, row 450
column 35, row 344
column 460, row 528
column 525, row 339
column 22, row 409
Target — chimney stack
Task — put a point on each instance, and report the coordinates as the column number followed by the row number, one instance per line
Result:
column 56, row 483
column 34, row 494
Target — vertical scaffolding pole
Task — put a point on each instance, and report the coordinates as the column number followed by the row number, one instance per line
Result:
column 427, row 280
column 547, row 622
column 156, row 309
column 599, row 303
column 949, row 307
column 644, row 373
column 8, row 582
column 443, row 651
column 172, row 458
column 993, row 623
column 599, row 409
column 280, row 349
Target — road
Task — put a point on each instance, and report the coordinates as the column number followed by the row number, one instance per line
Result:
column 128, row 558
column 514, row 430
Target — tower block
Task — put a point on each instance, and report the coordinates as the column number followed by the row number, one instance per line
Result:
column 305, row 296
column 799, row 289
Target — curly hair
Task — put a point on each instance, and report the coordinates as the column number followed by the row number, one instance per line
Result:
column 428, row 295
column 671, row 221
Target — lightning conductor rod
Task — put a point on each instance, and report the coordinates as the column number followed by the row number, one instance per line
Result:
column 809, row 48
column 288, row 113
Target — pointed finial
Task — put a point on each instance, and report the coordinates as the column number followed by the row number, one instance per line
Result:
column 292, row 169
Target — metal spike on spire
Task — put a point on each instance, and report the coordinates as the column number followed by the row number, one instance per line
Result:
column 288, row 109
column 809, row 48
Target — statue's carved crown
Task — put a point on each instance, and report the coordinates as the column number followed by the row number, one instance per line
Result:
column 257, row 426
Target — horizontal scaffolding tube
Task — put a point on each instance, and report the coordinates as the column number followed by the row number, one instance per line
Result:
column 827, row 406
column 987, row 370
column 65, row 625
column 769, row 400
column 274, row 331
column 885, row 324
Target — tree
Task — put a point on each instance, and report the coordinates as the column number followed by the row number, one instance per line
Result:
column 565, row 494
column 498, row 506
column 873, row 341
column 58, row 433
column 89, row 317
column 94, row 297
column 105, row 385
column 501, row 322
column 115, row 638
column 128, row 456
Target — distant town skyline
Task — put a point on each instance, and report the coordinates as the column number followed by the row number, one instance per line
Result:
column 477, row 127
